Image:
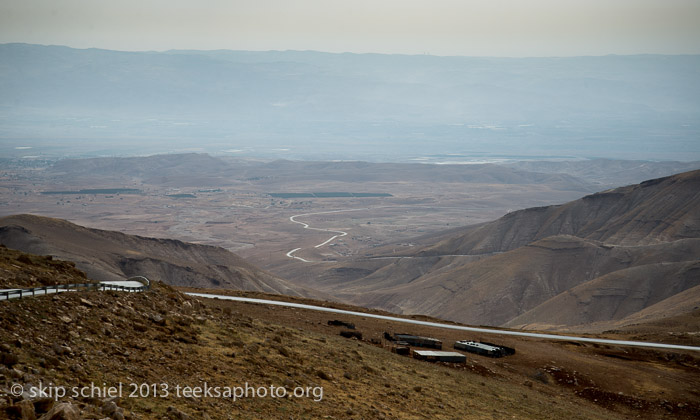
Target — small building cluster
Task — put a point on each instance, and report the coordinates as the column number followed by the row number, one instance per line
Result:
column 439, row 356
column 402, row 344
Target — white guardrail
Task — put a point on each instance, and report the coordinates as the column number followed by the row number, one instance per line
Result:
column 128, row 285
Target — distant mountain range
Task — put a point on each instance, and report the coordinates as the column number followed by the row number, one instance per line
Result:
column 347, row 106
column 628, row 253
column 198, row 169
column 195, row 169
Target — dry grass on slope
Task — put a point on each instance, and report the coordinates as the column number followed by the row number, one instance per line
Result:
column 20, row 270
column 163, row 337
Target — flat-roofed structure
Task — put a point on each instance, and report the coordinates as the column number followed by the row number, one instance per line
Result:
column 484, row 349
column 418, row 341
column 439, row 356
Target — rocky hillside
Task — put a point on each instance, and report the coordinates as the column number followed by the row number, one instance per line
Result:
column 86, row 344
column 21, row 270
column 108, row 255
column 601, row 258
column 656, row 211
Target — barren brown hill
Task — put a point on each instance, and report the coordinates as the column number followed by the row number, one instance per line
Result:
column 631, row 248
column 655, row 211
column 22, row 270
column 152, row 355
column 108, row 255
column 499, row 288
column 622, row 294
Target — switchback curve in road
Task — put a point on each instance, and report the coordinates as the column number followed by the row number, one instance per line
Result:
column 339, row 233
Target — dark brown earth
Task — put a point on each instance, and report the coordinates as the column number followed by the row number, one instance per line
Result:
column 162, row 336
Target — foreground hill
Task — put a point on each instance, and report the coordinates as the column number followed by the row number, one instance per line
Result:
column 22, row 270
column 108, row 255
column 164, row 340
column 604, row 257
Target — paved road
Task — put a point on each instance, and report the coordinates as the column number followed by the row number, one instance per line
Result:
column 339, row 233
column 290, row 254
column 454, row 327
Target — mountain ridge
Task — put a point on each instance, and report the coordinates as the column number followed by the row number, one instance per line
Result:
column 387, row 105
column 496, row 272
column 605, row 206
column 109, row 255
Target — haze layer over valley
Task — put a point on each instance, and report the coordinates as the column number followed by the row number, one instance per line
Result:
column 59, row 101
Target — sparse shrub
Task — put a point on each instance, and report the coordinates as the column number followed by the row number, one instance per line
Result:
column 540, row 376
column 9, row 359
column 284, row 351
column 324, row 375
column 24, row 259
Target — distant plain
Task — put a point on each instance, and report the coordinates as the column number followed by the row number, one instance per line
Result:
column 226, row 202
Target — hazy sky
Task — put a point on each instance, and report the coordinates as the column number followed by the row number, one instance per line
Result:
column 439, row 27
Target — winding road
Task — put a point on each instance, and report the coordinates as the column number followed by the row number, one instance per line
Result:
column 452, row 326
column 338, row 233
